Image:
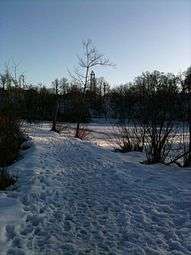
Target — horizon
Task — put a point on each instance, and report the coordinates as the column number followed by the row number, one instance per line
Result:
column 137, row 36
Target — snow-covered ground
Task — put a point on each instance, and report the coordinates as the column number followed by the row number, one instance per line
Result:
column 76, row 198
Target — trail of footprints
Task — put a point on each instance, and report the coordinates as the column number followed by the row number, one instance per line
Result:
column 79, row 205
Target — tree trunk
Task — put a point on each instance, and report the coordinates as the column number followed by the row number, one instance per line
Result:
column 77, row 130
column 54, row 120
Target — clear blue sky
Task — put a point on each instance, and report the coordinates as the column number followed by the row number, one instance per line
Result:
column 44, row 36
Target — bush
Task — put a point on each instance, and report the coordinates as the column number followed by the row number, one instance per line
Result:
column 11, row 138
column 128, row 137
column 6, row 179
column 83, row 133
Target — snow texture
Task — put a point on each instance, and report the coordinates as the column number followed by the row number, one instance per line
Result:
column 74, row 198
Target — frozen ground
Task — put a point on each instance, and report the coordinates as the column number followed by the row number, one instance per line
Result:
column 73, row 197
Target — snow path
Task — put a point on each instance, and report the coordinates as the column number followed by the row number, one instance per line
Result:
column 80, row 199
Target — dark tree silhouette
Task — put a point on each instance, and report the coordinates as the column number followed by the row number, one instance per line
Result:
column 89, row 59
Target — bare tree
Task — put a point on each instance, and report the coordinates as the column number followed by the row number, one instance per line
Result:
column 12, row 78
column 156, row 114
column 90, row 58
column 64, row 86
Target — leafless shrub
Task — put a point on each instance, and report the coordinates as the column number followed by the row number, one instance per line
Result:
column 159, row 142
column 128, row 137
column 6, row 179
column 181, row 152
column 83, row 133
column 11, row 138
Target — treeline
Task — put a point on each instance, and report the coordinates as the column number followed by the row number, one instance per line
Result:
column 155, row 104
column 150, row 93
column 37, row 102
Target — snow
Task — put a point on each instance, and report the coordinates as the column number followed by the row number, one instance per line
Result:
column 74, row 197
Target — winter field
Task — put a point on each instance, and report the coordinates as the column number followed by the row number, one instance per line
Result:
column 81, row 198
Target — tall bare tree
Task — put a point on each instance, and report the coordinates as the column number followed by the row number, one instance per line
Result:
column 89, row 59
